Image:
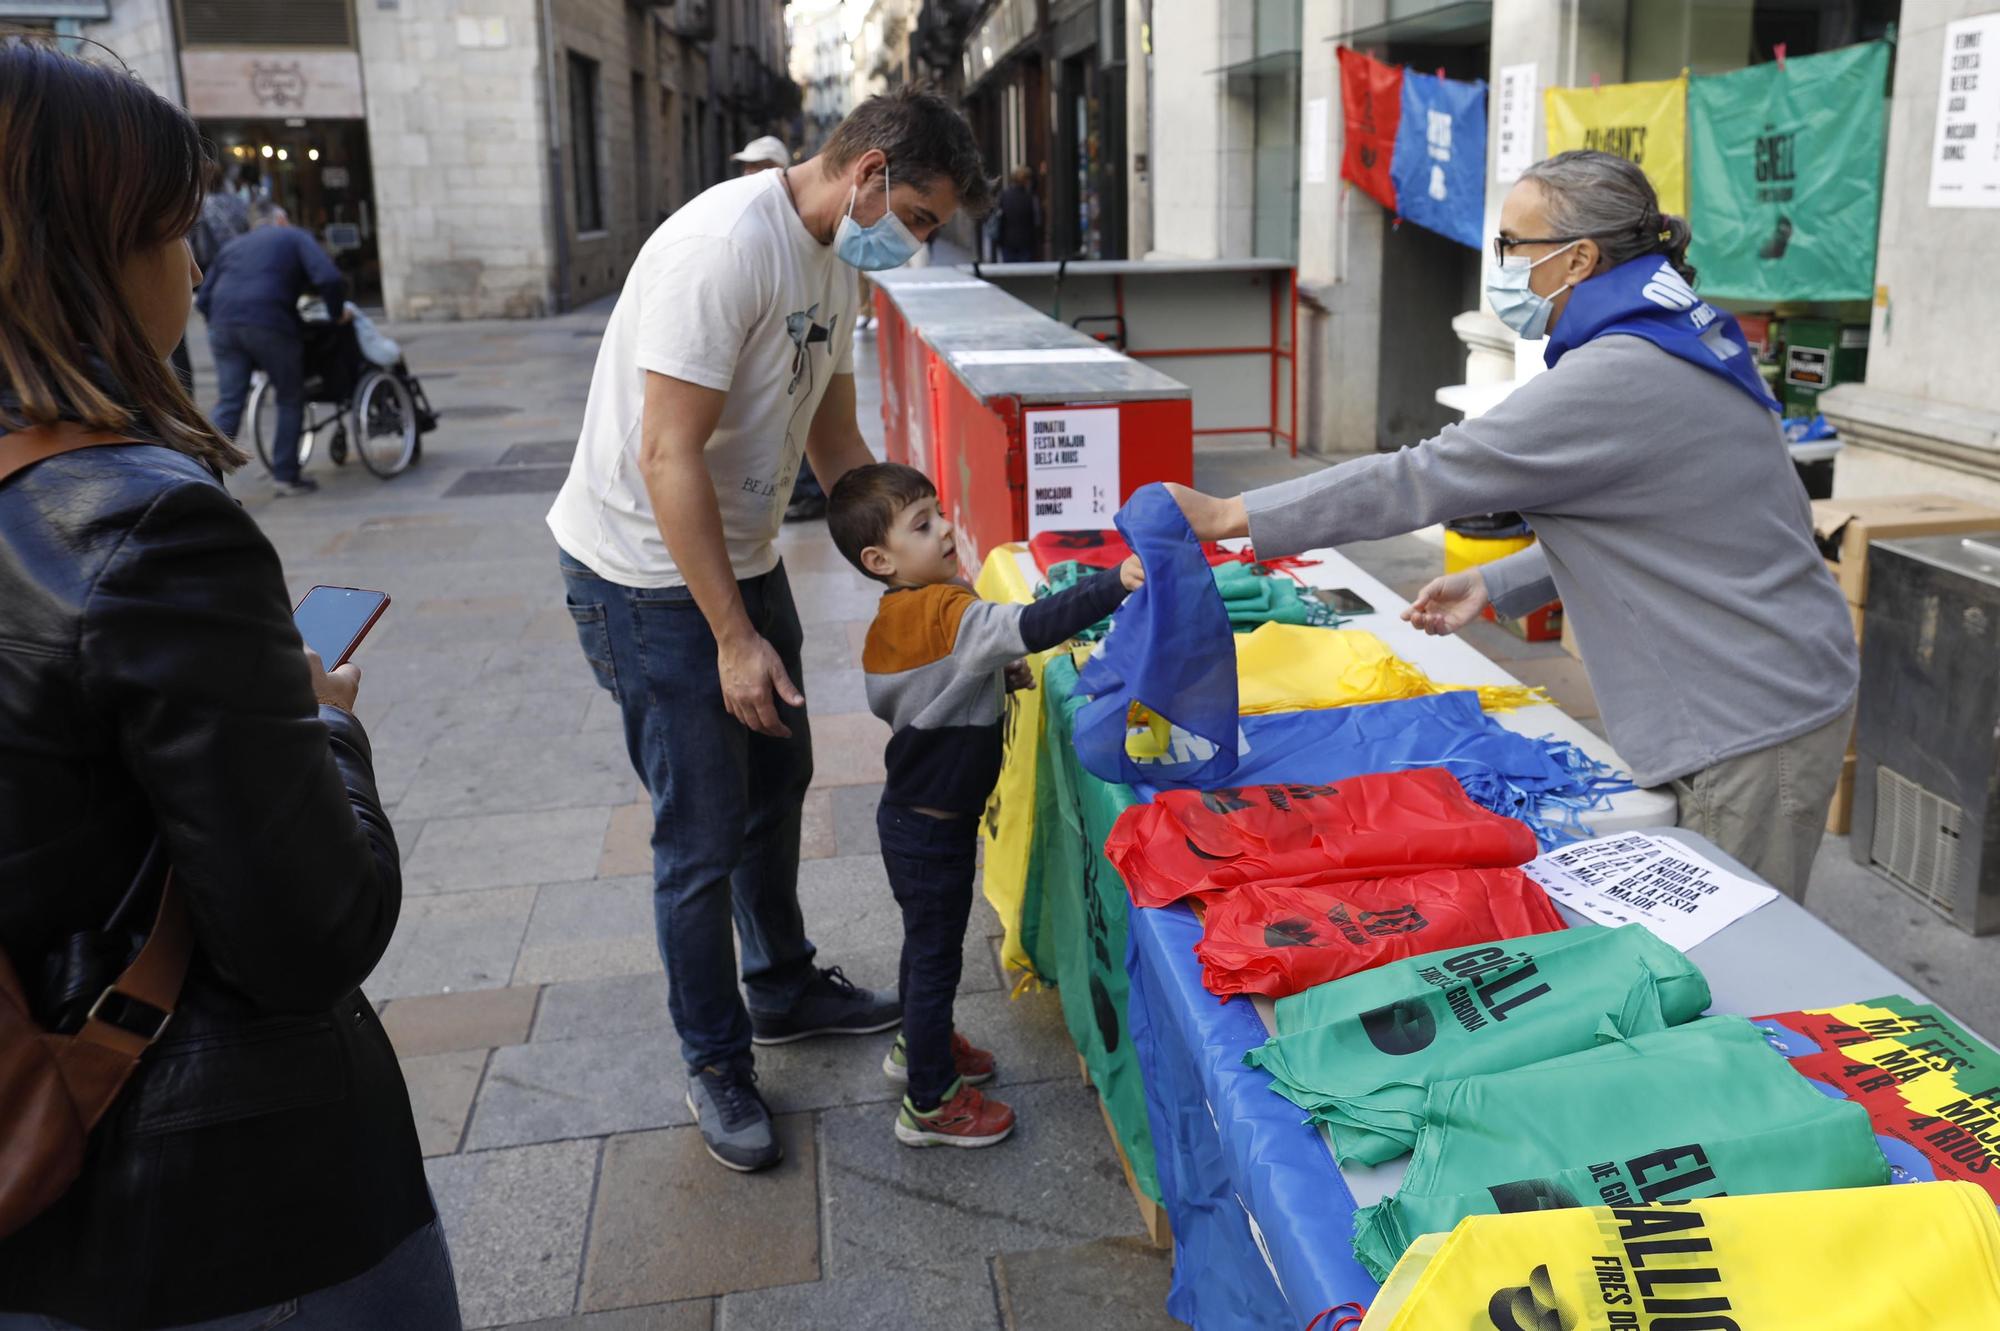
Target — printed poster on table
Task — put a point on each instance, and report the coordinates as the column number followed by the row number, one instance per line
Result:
column 1965, row 160
column 1638, row 878
column 1641, row 122
column 1440, row 164
column 1515, row 112
column 1371, row 101
column 1786, row 164
column 1072, row 468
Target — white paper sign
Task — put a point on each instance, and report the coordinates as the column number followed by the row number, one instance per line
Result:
column 1965, row 161
column 1038, row 356
column 1516, row 120
column 1316, row 132
column 1072, row 468
column 1636, row 878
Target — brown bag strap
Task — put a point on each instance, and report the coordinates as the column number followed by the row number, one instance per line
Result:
column 129, row 1015
column 38, row 443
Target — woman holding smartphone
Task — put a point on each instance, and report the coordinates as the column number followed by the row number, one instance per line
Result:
column 156, row 707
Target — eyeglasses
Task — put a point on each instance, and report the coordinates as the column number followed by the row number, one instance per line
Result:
column 1501, row 244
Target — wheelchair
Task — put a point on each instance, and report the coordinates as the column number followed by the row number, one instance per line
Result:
column 386, row 408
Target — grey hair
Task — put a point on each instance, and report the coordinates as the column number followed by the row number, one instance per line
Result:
column 1608, row 199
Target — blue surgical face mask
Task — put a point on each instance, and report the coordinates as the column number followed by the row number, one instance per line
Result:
column 1516, row 303
column 886, row 244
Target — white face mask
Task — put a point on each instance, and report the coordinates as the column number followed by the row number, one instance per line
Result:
column 1516, row 304
column 884, row 244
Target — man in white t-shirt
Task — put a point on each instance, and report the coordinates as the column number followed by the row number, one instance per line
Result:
column 728, row 359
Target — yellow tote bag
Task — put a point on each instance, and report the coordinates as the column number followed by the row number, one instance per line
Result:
column 1296, row 667
column 1913, row 1257
column 1008, row 824
column 1641, row 122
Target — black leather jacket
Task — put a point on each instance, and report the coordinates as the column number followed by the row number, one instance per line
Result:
column 151, row 679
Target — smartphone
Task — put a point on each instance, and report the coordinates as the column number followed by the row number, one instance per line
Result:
column 1342, row 601
column 334, row 620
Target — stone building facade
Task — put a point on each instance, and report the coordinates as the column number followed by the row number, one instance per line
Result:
column 469, row 158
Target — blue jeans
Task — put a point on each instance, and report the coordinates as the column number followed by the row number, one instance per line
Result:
column 726, row 800
column 241, row 348
column 931, row 862
column 412, row 1289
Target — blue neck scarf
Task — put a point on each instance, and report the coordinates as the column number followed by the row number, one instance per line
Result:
column 1645, row 297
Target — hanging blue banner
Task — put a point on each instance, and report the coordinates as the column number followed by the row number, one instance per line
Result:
column 1440, row 164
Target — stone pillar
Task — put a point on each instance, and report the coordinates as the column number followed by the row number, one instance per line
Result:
column 1187, row 129
column 141, row 32
column 457, row 137
column 1928, row 415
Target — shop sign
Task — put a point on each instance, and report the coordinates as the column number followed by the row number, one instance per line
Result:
column 1965, row 161
column 254, row 84
column 1072, row 468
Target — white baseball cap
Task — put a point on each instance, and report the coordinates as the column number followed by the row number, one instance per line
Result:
column 770, row 149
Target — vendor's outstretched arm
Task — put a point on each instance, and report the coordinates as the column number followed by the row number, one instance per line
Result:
column 1556, row 437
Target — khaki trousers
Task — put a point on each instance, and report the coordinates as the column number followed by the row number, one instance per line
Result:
column 1768, row 808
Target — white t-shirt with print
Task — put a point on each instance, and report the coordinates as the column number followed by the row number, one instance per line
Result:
column 731, row 293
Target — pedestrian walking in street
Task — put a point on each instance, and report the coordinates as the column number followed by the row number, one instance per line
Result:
column 728, row 359
column 250, row 298
column 178, row 778
column 1020, row 218
column 1670, row 519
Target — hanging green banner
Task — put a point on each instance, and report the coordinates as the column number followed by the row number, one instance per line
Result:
column 1786, row 167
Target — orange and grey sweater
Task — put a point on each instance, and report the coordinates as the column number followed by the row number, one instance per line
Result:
column 935, row 663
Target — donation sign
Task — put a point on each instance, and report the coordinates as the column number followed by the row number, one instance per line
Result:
column 1637, row 878
column 1965, row 162
column 1072, row 468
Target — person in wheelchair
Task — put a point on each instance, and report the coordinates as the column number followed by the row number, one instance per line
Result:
column 340, row 354
column 250, row 299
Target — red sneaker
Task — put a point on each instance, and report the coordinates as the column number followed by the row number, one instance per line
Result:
column 973, row 1065
column 966, row 1118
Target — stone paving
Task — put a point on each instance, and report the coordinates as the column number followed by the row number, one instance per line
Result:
column 524, row 993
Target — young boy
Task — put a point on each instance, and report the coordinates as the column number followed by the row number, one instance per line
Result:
column 935, row 662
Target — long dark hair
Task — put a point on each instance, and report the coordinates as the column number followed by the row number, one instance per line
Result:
column 1608, row 199
column 94, row 168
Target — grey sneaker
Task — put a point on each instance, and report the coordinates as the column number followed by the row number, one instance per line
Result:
column 735, row 1123
column 304, row 485
column 832, row 1004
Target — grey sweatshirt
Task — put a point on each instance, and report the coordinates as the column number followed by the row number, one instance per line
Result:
column 1672, row 525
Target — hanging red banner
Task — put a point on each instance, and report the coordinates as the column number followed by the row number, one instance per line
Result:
column 1371, row 100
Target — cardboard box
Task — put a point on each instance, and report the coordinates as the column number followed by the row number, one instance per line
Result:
column 1840, row 815
column 1569, row 638
column 1543, row 625
column 1844, row 528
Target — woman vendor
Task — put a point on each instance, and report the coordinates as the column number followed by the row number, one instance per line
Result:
column 1671, row 523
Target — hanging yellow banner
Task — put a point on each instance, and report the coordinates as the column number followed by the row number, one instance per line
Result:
column 1641, row 122
column 1009, row 822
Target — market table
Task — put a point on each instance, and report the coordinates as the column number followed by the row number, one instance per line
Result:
column 1071, row 918
column 1262, row 1214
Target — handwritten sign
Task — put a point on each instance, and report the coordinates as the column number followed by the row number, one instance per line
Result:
column 1072, row 468
column 1965, row 162
column 1516, row 152
column 1637, row 878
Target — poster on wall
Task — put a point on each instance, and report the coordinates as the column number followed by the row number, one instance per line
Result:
column 1965, row 160
column 1440, row 163
column 1515, row 113
column 1787, row 176
column 1641, row 122
column 1371, row 103
column 1072, row 468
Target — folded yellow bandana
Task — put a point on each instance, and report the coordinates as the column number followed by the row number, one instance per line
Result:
column 1294, row 668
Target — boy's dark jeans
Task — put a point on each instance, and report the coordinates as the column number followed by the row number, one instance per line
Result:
column 931, row 862
column 726, row 801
